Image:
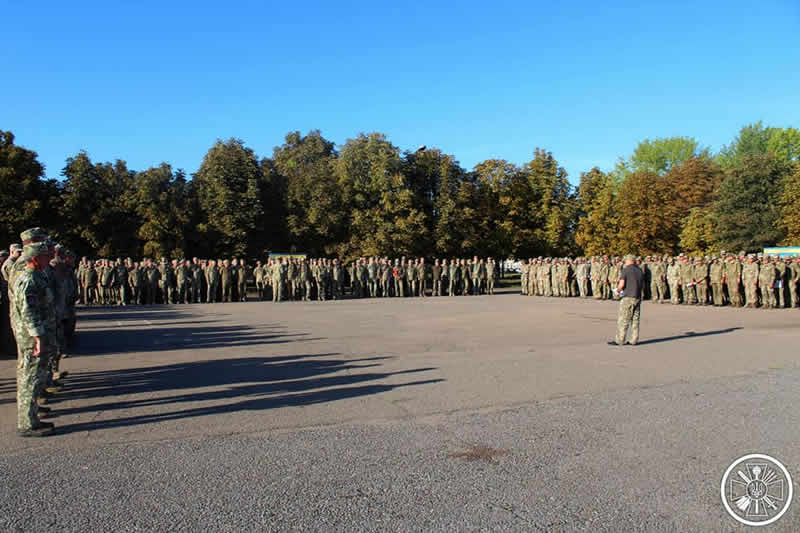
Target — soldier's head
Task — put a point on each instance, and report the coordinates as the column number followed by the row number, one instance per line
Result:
column 435, row 261
column 421, row 260
column 36, row 255
column 234, row 262
column 14, row 251
column 226, row 262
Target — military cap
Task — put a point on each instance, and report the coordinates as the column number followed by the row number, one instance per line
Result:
column 15, row 247
column 34, row 249
column 629, row 258
column 33, row 235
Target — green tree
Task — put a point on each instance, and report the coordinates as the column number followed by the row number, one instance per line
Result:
column 159, row 197
column 315, row 210
column 446, row 232
column 597, row 232
column 756, row 139
column 697, row 235
column 24, row 194
column 789, row 208
column 745, row 212
column 227, row 186
column 97, row 221
column 369, row 171
column 660, row 155
column 645, row 225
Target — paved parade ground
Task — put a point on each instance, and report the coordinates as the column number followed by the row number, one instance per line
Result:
column 486, row 413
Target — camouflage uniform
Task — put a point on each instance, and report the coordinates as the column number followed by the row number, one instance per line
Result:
column 32, row 315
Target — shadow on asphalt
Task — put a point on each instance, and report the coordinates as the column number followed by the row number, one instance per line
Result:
column 253, row 383
column 689, row 335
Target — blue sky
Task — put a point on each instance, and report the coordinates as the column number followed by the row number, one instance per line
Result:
column 161, row 81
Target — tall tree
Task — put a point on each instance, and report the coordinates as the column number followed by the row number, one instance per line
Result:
column 227, row 185
column 159, row 197
column 23, row 193
column 597, row 232
column 660, row 155
column 789, row 208
column 745, row 212
column 97, row 221
column 757, row 139
column 645, row 225
column 446, row 231
column 697, row 235
column 315, row 212
column 369, row 173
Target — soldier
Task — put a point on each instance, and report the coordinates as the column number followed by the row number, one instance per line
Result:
column 305, row 280
column 278, row 280
column 490, row 275
column 226, row 280
column 135, row 283
column 421, row 274
column 630, row 285
column 386, row 277
column 33, row 321
column 524, row 272
column 453, row 276
column 716, row 273
column 242, row 275
column 733, row 279
column 436, row 272
column 658, row 279
column 794, row 278
column 183, row 282
column 372, row 277
column 213, row 277
column 337, row 277
column 153, row 283
column 198, row 277
column 766, row 282
column 121, row 292
column 750, row 281
column 780, row 282
column 258, row 274
column 14, row 252
column 687, row 282
column 700, row 275
column 399, row 274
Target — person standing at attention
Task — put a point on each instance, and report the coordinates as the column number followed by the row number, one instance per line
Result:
column 630, row 305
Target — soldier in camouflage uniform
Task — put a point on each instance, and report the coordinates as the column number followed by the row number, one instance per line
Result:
column 715, row 275
column 750, row 272
column 490, row 275
column 700, row 274
column 766, row 283
column 33, row 321
column 793, row 280
column 780, row 282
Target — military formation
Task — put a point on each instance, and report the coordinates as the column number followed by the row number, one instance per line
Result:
column 39, row 288
column 742, row 280
column 126, row 282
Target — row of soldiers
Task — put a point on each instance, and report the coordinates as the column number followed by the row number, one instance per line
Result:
column 321, row 279
column 39, row 288
column 118, row 282
column 742, row 280
column 122, row 282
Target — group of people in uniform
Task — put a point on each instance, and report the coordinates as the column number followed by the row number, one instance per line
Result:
column 39, row 291
column 291, row 278
column 124, row 282
column 743, row 280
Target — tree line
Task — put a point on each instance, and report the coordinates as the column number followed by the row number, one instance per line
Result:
column 369, row 198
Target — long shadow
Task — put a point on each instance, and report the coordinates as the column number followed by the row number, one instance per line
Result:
column 254, row 383
column 204, row 374
column 689, row 335
column 126, row 340
column 127, row 313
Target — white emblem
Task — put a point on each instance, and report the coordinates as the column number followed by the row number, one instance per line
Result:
column 756, row 489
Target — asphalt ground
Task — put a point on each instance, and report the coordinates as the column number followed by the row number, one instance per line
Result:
column 488, row 413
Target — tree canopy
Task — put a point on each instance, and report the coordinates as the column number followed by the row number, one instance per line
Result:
column 368, row 197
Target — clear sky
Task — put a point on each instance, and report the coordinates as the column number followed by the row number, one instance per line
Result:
column 160, row 81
